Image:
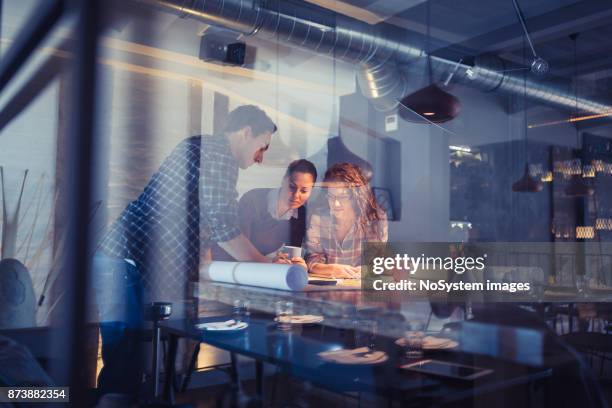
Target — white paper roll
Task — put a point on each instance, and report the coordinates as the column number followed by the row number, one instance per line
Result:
column 265, row 275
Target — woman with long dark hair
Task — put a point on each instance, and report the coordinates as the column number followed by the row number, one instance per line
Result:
column 334, row 237
column 271, row 218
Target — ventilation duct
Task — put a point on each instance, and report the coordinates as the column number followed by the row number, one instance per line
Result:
column 316, row 29
column 382, row 84
column 377, row 50
column 488, row 74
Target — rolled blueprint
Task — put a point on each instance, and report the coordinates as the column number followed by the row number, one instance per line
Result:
column 265, row 275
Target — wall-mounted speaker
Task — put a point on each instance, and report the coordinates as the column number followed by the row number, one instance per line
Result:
column 224, row 47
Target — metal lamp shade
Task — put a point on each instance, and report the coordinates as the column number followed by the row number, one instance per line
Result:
column 527, row 183
column 431, row 104
column 578, row 188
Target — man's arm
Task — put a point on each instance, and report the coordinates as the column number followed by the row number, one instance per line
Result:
column 243, row 250
column 247, row 213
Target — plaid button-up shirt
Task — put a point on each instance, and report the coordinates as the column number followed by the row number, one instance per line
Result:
column 188, row 204
column 322, row 246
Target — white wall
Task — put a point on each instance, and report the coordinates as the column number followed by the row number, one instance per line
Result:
column 29, row 143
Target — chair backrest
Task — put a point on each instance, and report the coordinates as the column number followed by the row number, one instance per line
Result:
column 531, row 274
column 17, row 301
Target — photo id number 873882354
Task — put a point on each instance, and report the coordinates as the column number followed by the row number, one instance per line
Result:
column 34, row 394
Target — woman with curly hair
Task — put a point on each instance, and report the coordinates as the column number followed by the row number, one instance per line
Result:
column 333, row 238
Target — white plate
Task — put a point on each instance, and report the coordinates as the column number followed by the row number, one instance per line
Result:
column 222, row 327
column 360, row 356
column 303, row 319
column 431, row 343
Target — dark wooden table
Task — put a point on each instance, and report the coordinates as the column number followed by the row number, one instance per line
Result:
column 295, row 353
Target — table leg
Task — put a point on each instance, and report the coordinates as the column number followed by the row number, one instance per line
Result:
column 234, row 371
column 273, row 390
column 170, row 369
column 570, row 312
column 191, row 369
column 156, row 340
column 259, row 380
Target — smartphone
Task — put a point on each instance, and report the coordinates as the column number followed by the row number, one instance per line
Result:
column 444, row 369
column 321, row 282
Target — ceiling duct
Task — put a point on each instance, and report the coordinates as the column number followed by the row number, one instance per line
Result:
column 382, row 84
column 488, row 74
column 306, row 26
column 376, row 50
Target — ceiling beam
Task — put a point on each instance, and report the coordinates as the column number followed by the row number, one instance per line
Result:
column 374, row 13
column 577, row 17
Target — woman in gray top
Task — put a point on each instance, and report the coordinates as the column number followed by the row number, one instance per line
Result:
column 271, row 218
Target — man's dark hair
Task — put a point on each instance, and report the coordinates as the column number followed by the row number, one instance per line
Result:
column 248, row 115
column 302, row 166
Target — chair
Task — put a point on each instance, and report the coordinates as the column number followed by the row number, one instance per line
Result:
column 210, row 309
column 594, row 346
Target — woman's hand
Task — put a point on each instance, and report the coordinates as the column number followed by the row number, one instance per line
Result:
column 354, row 271
column 335, row 271
column 299, row 261
column 281, row 258
column 340, row 271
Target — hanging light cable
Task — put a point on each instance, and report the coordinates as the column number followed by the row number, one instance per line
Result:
column 430, row 104
column 577, row 187
column 527, row 183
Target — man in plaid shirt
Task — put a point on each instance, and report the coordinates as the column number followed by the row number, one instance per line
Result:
column 154, row 248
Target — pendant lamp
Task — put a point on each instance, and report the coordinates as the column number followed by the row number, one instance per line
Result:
column 578, row 188
column 431, row 103
column 527, row 183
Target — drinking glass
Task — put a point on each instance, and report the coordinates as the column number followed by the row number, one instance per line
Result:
column 192, row 301
column 365, row 333
column 413, row 338
column 580, row 283
column 468, row 310
column 284, row 313
column 193, row 290
column 241, row 310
